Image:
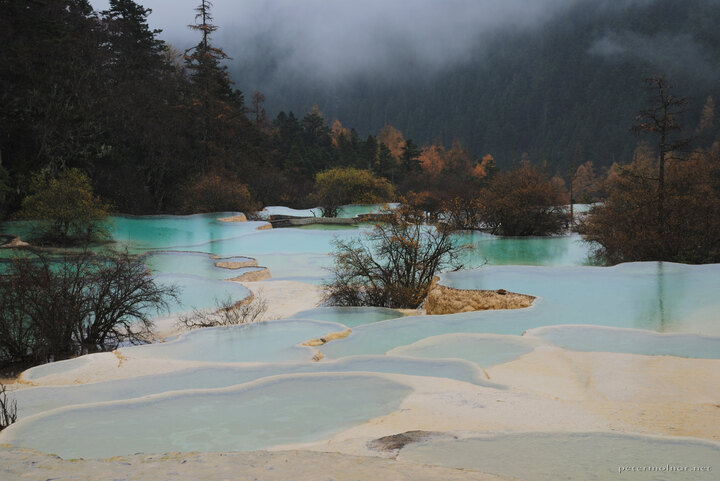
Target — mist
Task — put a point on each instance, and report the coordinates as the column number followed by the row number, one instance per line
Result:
column 668, row 53
column 333, row 40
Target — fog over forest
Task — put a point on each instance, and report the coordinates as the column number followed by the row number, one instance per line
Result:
column 541, row 77
column 325, row 40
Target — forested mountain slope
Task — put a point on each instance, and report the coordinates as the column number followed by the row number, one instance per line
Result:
column 564, row 92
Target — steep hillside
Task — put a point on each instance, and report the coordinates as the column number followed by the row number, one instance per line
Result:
column 564, row 92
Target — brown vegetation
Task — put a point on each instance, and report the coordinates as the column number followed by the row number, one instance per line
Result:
column 393, row 265
column 627, row 226
column 523, row 202
column 218, row 191
column 227, row 313
column 8, row 409
column 58, row 307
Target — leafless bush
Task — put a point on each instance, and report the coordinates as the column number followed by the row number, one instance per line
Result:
column 54, row 307
column 393, row 265
column 8, row 408
column 227, row 313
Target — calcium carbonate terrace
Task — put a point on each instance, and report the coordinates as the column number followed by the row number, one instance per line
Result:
column 491, row 385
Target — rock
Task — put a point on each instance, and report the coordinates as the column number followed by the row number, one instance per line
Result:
column 396, row 442
column 448, row 300
column 235, row 218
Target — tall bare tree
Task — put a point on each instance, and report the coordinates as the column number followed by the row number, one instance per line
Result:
column 662, row 119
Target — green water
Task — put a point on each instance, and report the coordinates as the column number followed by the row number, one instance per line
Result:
column 535, row 251
column 36, row 400
column 591, row 307
column 248, row 417
column 350, row 316
column 630, row 341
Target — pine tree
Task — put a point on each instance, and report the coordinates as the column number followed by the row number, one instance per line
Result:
column 214, row 101
column 385, row 163
column 410, row 157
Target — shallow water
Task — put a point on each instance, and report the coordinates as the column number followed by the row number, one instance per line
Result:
column 248, row 417
column 649, row 296
column 194, row 263
column 667, row 298
column 273, row 341
column 350, row 316
column 656, row 296
column 35, row 400
column 197, row 292
column 346, row 211
column 483, row 350
column 630, row 341
column 488, row 249
column 557, row 456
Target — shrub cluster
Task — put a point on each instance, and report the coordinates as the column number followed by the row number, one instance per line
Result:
column 58, row 307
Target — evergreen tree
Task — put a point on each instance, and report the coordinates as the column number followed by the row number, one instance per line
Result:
column 410, row 157
column 218, row 108
column 141, row 109
column 385, row 163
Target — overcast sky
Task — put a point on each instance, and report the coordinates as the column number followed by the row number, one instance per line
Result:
column 335, row 38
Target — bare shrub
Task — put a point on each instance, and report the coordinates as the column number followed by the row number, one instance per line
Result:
column 394, row 265
column 227, row 313
column 8, row 408
column 56, row 307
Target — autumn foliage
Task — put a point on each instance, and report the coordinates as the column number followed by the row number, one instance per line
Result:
column 62, row 209
column 523, row 202
column 347, row 185
column 626, row 226
column 218, row 191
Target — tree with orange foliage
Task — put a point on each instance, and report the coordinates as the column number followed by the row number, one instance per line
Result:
column 523, row 202
column 337, row 131
column 586, row 185
column 432, row 159
column 626, row 227
column 393, row 139
column 485, row 169
column 218, row 191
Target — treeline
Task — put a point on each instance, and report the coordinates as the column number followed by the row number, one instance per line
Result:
column 98, row 91
column 157, row 130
